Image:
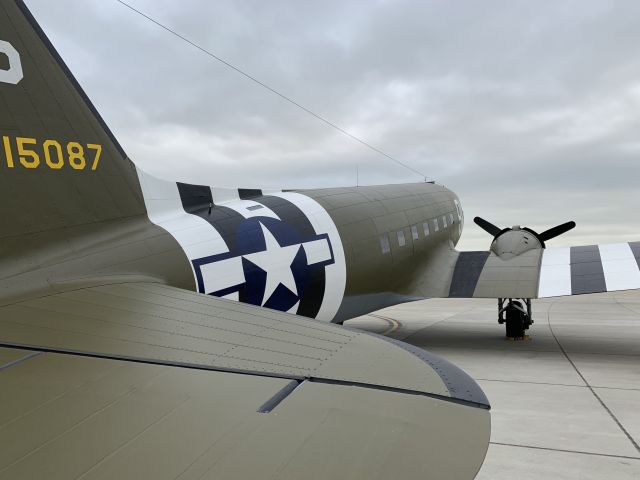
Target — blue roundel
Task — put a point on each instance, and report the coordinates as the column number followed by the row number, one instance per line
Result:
column 271, row 264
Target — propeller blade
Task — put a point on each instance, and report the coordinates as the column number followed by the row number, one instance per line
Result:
column 488, row 227
column 555, row 231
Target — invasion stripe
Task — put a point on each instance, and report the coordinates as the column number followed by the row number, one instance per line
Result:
column 555, row 273
column 620, row 267
column 289, row 213
column 587, row 273
column 467, row 273
column 635, row 248
column 222, row 195
column 251, row 208
column 196, row 200
column 248, row 193
column 164, row 208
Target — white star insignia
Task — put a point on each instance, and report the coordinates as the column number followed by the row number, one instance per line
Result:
column 276, row 260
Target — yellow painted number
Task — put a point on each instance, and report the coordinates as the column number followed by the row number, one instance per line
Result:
column 76, row 155
column 7, row 151
column 55, row 153
column 98, row 149
column 25, row 154
column 59, row 159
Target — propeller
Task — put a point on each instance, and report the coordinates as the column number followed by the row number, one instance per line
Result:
column 488, row 227
column 553, row 232
column 556, row 231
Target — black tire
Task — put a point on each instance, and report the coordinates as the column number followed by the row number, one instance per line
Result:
column 515, row 321
column 515, row 328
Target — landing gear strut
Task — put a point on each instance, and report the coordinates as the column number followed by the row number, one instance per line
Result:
column 515, row 316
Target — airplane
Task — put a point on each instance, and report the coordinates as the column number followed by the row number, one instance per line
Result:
column 151, row 328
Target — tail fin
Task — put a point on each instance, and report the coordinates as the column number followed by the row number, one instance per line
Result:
column 60, row 165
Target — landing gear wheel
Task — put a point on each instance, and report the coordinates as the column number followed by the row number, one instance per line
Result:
column 515, row 327
column 517, row 320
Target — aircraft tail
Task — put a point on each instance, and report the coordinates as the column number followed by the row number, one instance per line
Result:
column 60, row 164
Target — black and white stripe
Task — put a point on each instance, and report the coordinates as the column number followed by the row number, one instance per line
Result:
column 205, row 221
column 563, row 271
column 196, row 200
column 589, row 269
column 466, row 273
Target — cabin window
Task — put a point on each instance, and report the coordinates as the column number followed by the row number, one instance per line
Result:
column 451, row 221
column 436, row 227
column 425, row 228
column 444, row 221
column 384, row 244
column 401, row 240
column 414, row 232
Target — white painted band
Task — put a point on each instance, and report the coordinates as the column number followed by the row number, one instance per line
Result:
column 199, row 239
column 555, row 273
column 164, row 207
column 620, row 267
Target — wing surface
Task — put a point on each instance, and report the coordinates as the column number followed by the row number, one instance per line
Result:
column 590, row 269
column 149, row 381
column 549, row 272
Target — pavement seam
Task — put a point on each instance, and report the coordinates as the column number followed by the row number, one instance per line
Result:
column 406, row 339
column 615, row 419
column 564, row 451
column 557, row 384
column 530, row 383
column 626, row 307
column 617, row 388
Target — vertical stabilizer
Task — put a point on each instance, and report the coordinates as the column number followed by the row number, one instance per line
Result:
column 60, row 165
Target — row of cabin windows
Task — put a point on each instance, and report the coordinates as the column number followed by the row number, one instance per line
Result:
column 402, row 241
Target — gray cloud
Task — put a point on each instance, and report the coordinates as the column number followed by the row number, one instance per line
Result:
column 529, row 111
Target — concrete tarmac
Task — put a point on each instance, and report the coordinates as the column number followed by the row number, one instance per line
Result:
column 566, row 403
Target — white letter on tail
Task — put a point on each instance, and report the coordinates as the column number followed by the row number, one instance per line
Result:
column 14, row 74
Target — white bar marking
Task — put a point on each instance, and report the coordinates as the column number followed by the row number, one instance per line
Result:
column 317, row 251
column 620, row 267
column 222, row 274
column 555, row 273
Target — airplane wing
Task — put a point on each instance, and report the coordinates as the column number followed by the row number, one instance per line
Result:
column 143, row 380
column 547, row 272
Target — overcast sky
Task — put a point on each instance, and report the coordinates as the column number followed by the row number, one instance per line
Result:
column 529, row 111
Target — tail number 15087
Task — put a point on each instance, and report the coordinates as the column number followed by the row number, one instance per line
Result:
column 30, row 153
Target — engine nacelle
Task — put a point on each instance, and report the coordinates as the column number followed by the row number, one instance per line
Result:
column 515, row 241
column 511, row 242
